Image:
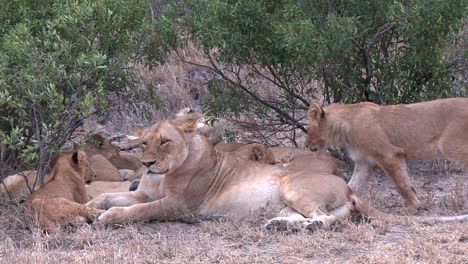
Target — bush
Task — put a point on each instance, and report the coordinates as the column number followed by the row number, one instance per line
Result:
column 278, row 56
column 60, row 61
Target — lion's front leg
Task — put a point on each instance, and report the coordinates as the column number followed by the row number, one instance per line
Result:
column 168, row 208
column 108, row 200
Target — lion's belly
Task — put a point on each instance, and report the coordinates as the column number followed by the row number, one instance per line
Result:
column 246, row 198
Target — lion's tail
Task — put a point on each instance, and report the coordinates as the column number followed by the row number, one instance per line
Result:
column 363, row 207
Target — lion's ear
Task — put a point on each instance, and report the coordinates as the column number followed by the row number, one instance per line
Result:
column 315, row 111
column 140, row 130
column 187, row 125
column 75, row 157
column 184, row 111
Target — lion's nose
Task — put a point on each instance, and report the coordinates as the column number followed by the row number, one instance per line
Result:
column 148, row 163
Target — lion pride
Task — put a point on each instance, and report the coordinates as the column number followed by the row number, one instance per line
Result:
column 387, row 136
column 187, row 177
column 60, row 201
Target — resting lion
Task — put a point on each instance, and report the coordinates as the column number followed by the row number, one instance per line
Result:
column 60, row 201
column 19, row 186
column 188, row 177
column 299, row 160
column 387, row 136
column 106, row 160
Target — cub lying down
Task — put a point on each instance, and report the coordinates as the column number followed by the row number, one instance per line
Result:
column 188, row 177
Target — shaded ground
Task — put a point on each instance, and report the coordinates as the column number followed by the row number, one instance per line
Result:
column 442, row 190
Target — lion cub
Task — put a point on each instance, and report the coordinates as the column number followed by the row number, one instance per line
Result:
column 60, row 201
column 387, row 136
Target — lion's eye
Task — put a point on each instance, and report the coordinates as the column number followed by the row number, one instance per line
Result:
column 164, row 141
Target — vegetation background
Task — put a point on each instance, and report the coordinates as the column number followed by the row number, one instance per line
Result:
column 62, row 62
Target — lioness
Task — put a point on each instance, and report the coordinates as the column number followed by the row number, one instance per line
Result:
column 60, row 201
column 387, row 136
column 187, row 176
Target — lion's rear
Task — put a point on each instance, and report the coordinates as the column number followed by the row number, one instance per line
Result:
column 419, row 128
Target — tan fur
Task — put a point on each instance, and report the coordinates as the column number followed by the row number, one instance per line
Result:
column 306, row 161
column 387, row 136
column 99, row 145
column 106, row 159
column 103, row 169
column 136, row 175
column 254, row 152
column 99, row 187
column 126, row 161
column 293, row 159
column 19, row 186
column 228, row 147
column 60, row 201
column 186, row 176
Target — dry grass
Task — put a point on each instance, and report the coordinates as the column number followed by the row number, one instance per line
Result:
column 442, row 191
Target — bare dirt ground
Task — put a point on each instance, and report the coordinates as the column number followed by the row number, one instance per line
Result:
column 442, row 190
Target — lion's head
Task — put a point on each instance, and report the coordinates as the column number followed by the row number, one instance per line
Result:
column 315, row 128
column 98, row 144
column 165, row 143
column 256, row 152
column 76, row 161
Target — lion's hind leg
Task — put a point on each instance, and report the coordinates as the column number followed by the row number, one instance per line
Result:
column 454, row 144
column 321, row 219
column 322, row 199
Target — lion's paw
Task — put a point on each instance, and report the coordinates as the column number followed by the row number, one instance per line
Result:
column 115, row 215
column 313, row 226
column 277, row 225
column 282, row 224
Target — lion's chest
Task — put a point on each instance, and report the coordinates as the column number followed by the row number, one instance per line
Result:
column 249, row 196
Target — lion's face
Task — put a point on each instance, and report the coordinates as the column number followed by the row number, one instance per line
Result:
column 261, row 154
column 165, row 146
column 97, row 144
column 314, row 139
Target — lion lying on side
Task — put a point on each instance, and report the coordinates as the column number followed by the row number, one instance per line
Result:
column 60, row 201
column 187, row 176
column 387, row 136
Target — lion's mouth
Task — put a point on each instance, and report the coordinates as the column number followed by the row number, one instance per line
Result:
column 157, row 171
